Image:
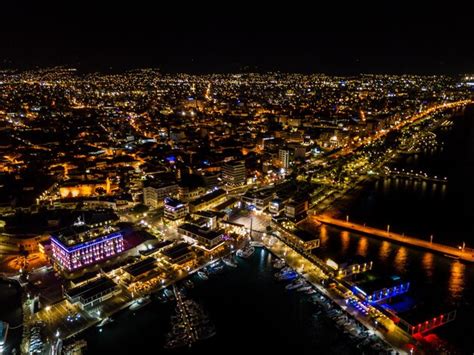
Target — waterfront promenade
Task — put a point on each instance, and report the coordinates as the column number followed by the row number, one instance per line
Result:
column 461, row 253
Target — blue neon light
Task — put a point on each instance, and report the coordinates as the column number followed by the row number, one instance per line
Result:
column 359, row 290
column 86, row 244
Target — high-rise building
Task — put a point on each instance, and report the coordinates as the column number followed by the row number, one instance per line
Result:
column 284, row 156
column 234, row 173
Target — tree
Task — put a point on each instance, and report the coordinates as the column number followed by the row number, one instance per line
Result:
column 140, row 208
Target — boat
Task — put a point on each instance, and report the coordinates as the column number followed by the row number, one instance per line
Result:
column 202, row 275
column 279, row 264
column 304, row 288
column 4, row 326
column 295, row 284
column 286, row 275
column 215, row 263
column 104, row 321
column 246, row 253
column 229, row 262
column 139, row 303
column 311, row 291
column 215, row 269
column 188, row 284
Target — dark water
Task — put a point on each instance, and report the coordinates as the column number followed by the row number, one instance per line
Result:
column 252, row 313
column 445, row 210
column 421, row 209
column 10, row 312
column 437, row 283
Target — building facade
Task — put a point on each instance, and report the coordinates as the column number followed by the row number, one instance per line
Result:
column 284, row 156
column 153, row 196
column 174, row 209
column 74, row 251
column 234, row 173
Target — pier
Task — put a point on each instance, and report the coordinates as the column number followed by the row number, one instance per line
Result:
column 414, row 175
column 461, row 253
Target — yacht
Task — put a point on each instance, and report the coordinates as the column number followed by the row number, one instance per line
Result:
column 3, row 334
column 304, row 288
column 279, row 263
column 229, row 262
column 104, row 321
column 246, row 253
column 202, row 275
column 188, row 284
column 139, row 303
column 296, row 284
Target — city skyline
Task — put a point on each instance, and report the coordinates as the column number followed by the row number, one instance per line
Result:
column 227, row 186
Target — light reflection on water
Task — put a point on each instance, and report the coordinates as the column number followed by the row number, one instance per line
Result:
column 363, row 246
column 323, row 234
column 345, row 240
column 456, row 280
column 427, row 264
column 384, row 251
column 400, row 261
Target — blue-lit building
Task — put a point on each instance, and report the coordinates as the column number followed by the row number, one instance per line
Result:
column 175, row 210
column 381, row 288
column 80, row 246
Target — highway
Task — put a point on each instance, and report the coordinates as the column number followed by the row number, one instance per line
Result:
column 461, row 253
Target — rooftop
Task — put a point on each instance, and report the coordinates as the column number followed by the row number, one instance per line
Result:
column 202, row 232
column 176, row 251
column 141, row 267
column 208, row 197
column 92, row 288
column 79, row 234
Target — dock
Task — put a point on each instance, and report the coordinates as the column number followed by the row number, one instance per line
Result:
column 461, row 253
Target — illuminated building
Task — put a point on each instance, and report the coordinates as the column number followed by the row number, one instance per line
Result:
column 275, row 206
column 284, row 156
column 154, row 194
column 209, row 238
column 174, row 209
column 208, row 201
column 81, row 188
column 179, row 253
column 93, row 292
column 296, row 208
column 81, row 246
column 234, row 173
column 258, row 199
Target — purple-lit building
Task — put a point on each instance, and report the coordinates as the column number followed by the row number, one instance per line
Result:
column 81, row 246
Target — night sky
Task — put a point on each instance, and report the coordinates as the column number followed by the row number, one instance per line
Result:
column 341, row 40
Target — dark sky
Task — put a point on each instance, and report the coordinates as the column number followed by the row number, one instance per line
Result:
column 338, row 40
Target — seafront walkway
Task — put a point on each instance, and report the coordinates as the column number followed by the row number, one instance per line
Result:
column 461, row 253
column 396, row 337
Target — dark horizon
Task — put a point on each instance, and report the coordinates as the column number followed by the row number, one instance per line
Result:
column 389, row 45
